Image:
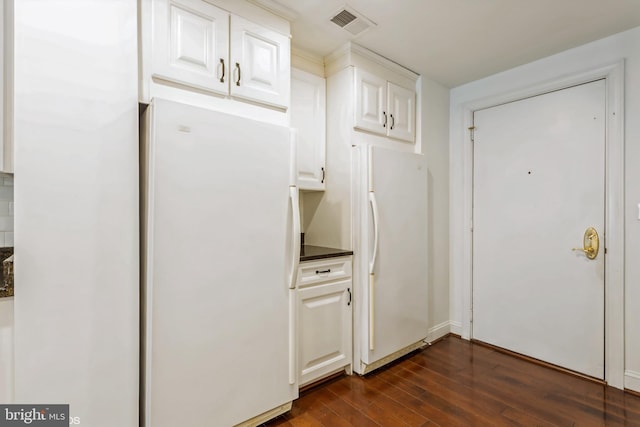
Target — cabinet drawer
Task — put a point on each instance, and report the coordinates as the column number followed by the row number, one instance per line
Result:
column 312, row 272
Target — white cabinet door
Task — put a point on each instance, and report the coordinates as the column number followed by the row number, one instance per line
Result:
column 324, row 319
column 260, row 63
column 402, row 114
column 371, row 101
column 191, row 44
column 308, row 104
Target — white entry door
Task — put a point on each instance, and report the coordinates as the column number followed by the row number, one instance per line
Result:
column 539, row 183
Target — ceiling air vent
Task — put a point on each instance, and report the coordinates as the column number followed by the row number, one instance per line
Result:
column 351, row 21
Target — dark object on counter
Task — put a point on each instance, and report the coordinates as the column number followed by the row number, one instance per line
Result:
column 6, row 279
column 308, row 252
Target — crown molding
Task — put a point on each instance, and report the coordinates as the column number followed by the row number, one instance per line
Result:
column 277, row 9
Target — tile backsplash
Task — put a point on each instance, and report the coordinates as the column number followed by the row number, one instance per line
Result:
column 6, row 210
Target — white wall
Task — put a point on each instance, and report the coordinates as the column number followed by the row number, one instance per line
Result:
column 605, row 51
column 434, row 138
column 76, row 195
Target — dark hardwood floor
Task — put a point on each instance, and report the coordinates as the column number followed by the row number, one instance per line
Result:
column 458, row 383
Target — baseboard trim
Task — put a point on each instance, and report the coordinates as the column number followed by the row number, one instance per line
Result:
column 456, row 328
column 632, row 381
column 438, row 332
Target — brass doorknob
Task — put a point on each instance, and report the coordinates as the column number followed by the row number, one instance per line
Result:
column 591, row 243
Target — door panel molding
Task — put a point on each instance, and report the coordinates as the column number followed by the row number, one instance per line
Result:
column 462, row 191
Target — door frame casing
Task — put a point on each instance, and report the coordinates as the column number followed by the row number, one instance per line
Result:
column 462, row 191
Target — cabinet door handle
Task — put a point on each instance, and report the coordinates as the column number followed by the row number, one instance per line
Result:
column 223, row 67
column 322, row 181
column 349, row 290
column 393, row 122
column 384, row 125
column 328, row 270
column 239, row 74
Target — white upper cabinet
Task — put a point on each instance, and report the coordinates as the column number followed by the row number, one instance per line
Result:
column 260, row 59
column 371, row 102
column 196, row 52
column 191, row 44
column 383, row 107
column 402, row 112
column 308, row 105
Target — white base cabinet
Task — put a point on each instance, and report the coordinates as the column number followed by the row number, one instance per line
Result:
column 324, row 318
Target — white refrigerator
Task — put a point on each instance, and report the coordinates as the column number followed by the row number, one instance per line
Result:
column 389, row 191
column 220, row 250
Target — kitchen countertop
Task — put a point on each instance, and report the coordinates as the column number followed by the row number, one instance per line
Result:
column 309, row 252
column 6, row 272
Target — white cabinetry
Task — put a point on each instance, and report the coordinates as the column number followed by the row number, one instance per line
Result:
column 371, row 102
column 199, row 47
column 191, row 44
column 383, row 107
column 260, row 59
column 379, row 96
column 6, row 86
column 324, row 318
column 308, row 104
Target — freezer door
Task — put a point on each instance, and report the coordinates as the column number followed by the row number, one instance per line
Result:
column 396, row 286
column 216, row 279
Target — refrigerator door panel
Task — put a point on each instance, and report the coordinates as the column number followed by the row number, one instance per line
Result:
column 217, row 303
column 397, row 285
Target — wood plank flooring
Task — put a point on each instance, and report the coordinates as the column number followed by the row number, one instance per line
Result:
column 458, row 383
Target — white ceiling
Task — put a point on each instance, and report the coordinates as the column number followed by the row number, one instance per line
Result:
column 458, row 41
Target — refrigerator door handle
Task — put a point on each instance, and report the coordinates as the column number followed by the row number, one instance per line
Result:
column 295, row 250
column 293, row 277
column 374, row 210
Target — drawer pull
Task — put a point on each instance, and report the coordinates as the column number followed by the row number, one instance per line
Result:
column 328, row 270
